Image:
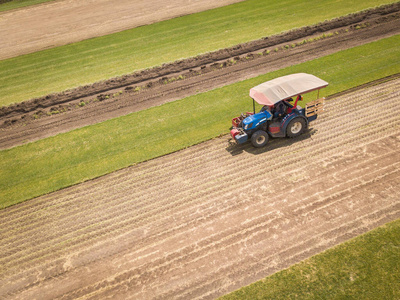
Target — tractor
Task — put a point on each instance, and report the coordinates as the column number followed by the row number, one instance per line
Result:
column 280, row 115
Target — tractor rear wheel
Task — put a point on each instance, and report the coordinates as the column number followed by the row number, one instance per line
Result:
column 296, row 127
column 259, row 138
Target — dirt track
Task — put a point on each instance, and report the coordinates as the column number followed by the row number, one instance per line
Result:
column 204, row 221
column 18, row 123
column 63, row 22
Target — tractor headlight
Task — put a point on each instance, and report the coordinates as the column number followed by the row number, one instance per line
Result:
column 248, row 126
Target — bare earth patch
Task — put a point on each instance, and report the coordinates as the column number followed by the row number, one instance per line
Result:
column 63, row 22
column 204, row 221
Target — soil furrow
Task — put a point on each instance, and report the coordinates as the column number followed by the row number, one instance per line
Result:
column 138, row 274
column 213, row 289
column 308, row 225
column 133, row 281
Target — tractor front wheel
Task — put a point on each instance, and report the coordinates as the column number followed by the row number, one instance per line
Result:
column 259, row 138
column 296, row 127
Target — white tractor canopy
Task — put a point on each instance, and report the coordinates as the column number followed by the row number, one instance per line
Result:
column 285, row 87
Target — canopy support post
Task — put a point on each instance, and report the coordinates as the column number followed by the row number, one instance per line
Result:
column 254, row 107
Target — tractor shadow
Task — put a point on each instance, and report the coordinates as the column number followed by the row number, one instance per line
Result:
column 273, row 144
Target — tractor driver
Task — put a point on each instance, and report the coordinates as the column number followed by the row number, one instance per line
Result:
column 279, row 109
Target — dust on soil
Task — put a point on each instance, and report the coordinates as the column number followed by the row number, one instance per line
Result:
column 189, row 225
column 53, row 114
column 58, row 23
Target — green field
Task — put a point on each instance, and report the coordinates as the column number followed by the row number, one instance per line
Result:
column 367, row 267
column 20, row 3
column 65, row 67
column 53, row 163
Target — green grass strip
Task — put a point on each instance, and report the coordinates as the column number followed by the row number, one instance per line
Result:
column 50, row 164
column 20, row 3
column 366, row 267
column 69, row 66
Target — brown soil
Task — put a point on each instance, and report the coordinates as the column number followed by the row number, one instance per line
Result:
column 53, row 114
column 63, row 22
column 191, row 225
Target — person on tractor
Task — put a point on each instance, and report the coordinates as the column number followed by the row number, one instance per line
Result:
column 279, row 109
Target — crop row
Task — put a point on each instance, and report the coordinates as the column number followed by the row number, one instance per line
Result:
column 252, row 233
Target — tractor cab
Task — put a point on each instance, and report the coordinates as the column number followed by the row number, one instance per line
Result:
column 280, row 116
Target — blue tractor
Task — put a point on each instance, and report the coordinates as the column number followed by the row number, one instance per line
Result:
column 280, row 115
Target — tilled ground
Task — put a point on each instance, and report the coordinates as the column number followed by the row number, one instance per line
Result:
column 53, row 114
column 204, row 221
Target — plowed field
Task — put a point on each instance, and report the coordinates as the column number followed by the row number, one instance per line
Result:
column 204, row 221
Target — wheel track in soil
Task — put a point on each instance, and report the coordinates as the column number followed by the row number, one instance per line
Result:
column 29, row 130
column 90, row 231
column 36, row 224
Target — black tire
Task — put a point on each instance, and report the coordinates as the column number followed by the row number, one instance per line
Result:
column 296, row 127
column 259, row 139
